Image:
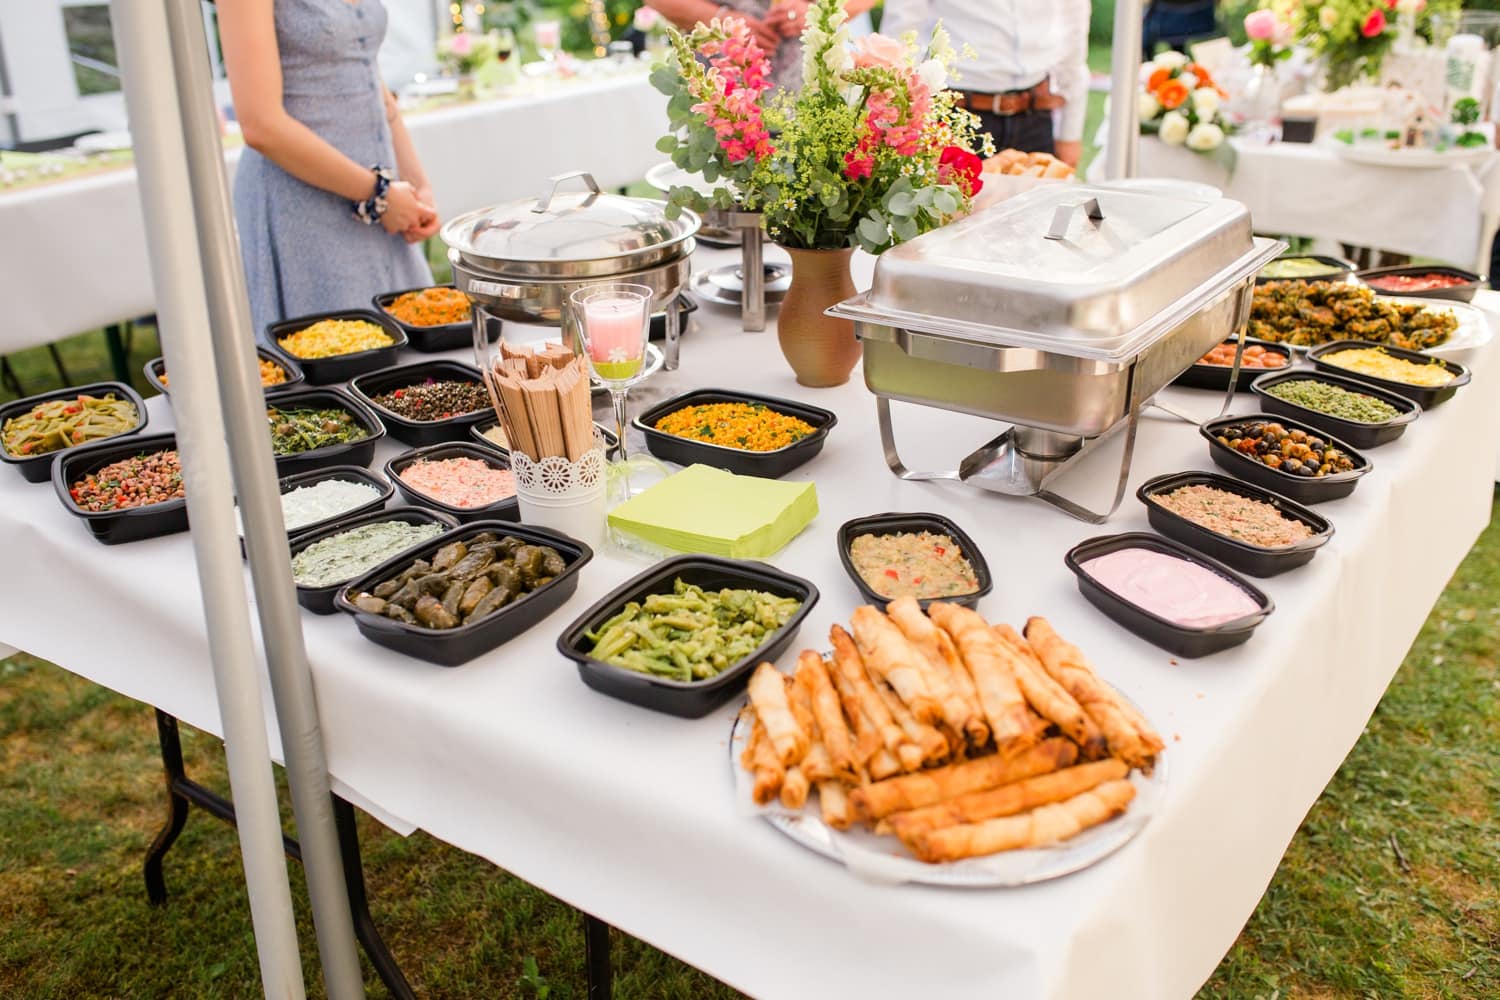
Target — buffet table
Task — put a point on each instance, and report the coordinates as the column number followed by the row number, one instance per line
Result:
column 74, row 253
column 631, row 816
column 1302, row 189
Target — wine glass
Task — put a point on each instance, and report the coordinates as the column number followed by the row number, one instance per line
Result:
column 548, row 35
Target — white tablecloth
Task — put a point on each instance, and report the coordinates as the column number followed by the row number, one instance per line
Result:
column 1305, row 190
column 630, row 815
column 73, row 254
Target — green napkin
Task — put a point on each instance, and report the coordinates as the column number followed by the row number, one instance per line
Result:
column 708, row 510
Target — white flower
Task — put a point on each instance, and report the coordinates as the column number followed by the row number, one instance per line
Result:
column 934, row 74
column 1188, row 80
column 838, row 58
column 1205, row 136
column 618, row 355
column 1327, row 18
column 1174, row 128
column 1147, row 107
column 1410, row 6
column 1170, row 59
column 941, row 46
column 1147, row 68
column 1206, row 102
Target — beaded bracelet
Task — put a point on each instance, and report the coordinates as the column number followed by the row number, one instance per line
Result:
column 373, row 208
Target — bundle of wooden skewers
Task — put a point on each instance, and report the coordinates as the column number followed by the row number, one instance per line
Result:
column 542, row 397
column 960, row 738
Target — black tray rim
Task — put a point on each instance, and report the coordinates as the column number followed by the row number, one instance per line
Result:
column 1409, row 409
column 611, row 603
column 286, row 484
column 378, row 623
column 1362, row 467
column 294, row 323
column 1474, row 281
column 367, row 417
column 1075, row 557
column 302, row 540
column 466, row 448
column 1462, row 376
column 296, row 377
column 1195, row 374
column 358, row 391
column 870, row 524
column 143, row 444
column 1323, row 528
column 18, row 406
column 790, row 406
column 380, row 301
column 1342, row 268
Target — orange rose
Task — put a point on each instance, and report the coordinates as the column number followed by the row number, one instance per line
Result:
column 1204, row 80
column 1158, row 78
column 1172, row 94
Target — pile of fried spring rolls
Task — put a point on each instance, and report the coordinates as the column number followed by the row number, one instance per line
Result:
column 960, row 738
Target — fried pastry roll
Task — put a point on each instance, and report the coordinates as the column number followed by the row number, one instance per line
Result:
column 769, row 696
column 854, row 684
column 794, row 788
column 1007, row 800
column 1014, row 725
column 833, row 800
column 925, row 788
column 1048, row 697
column 765, row 766
column 949, row 682
column 1044, row 825
column 930, row 745
column 889, row 656
column 812, row 674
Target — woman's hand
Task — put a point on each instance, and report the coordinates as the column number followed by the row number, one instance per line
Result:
column 788, row 18
column 428, row 225
column 404, row 210
column 767, row 37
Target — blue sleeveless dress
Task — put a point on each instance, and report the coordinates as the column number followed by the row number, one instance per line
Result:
column 304, row 251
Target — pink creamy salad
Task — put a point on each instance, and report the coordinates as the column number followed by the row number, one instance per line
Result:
column 460, row 482
column 1180, row 591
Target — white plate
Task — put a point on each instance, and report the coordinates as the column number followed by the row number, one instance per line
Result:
column 884, row 859
column 1418, row 159
column 1473, row 327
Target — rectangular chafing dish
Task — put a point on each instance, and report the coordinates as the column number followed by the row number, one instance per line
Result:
column 1062, row 312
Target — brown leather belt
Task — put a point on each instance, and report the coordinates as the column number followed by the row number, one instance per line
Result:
column 1014, row 102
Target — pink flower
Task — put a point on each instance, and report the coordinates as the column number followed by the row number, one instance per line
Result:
column 879, row 51
column 1374, row 24
column 961, row 167
column 1260, row 25
column 462, row 44
column 858, row 167
column 645, row 18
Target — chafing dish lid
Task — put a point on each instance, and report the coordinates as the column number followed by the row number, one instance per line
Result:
column 558, row 230
column 1090, row 269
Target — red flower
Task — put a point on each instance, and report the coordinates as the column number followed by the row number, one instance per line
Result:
column 963, row 167
column 1374, row 24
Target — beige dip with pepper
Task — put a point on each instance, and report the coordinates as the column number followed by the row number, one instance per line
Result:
column 912, row 564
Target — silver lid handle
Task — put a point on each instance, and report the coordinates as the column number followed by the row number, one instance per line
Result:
column 1064, row 215
column 544, row 202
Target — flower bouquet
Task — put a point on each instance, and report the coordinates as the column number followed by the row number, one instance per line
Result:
column 871, row 152
column 462, row 53
column 1181, row 104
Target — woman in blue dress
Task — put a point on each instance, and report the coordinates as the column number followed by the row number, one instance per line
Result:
column 331, row 199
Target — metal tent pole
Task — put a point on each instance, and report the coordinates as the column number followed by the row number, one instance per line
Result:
column 1122, row 148
column 150, row 92
column 255, row 480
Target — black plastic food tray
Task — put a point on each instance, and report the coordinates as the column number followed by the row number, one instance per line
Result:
column 1179, row 639
column 319, row 600
column 294, row 376
column 1299, row 488
column 508, row 509
column 1217, row 376
column 895, row 524
column 348, row 473
column 1253, row 559
column 359, row 452
column 340, row 367
column 1338, row 268
column 1455, row 293
column 115, row 526
column 38, row 468
column 1358, row 434
column 1426, row 397
column 451, row 647
column 767, row 464
column 688, row 699
column 420, row 433
column 476, row 433
column 430, row 339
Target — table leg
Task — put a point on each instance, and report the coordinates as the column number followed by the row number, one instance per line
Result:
column 8, row 378
column 114, row 339
column 596, row 952
column 183, row 792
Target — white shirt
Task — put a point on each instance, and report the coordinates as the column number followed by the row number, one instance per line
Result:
column 1016, row 43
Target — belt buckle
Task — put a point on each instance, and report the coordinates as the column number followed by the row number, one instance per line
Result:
column 995, row 105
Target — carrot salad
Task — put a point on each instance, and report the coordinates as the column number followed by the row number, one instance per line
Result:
column 431, row 307
column 746, row 426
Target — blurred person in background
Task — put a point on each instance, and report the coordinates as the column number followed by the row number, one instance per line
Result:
column 331, row 200
column 1028, row 59
column 775, row 25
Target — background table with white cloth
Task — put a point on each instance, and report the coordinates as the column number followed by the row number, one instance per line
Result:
column 73, row 253
column 631, row 815
column 1305, row 189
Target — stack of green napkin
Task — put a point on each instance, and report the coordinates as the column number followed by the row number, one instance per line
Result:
column 708, row 510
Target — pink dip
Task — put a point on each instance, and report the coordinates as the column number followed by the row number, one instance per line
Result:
column 460, row 482
column 1179, row 591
